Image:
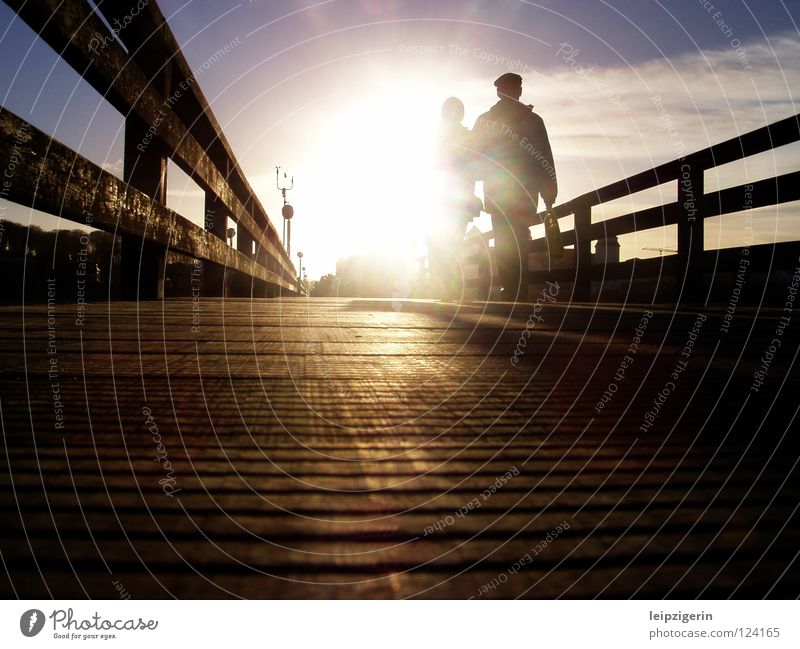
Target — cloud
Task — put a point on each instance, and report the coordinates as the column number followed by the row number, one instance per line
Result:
column 706, row 97
column 114, row 168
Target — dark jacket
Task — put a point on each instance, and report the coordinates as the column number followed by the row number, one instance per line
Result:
column 517, row 162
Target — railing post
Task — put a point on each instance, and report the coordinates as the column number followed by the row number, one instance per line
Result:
column 215, row 222
column 244, row 242
column 267, row 290
column 261, row 255
column 242, row 285
column 582, row 291
column 690, row 232
column 145, row 168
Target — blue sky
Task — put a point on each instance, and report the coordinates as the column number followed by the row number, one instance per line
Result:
column 346, row 95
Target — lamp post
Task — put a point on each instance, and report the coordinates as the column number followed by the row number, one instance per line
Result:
column 287, row 211
column 300, row 269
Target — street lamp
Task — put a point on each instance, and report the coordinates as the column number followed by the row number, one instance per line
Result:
column 287, row 211
column 300, row 269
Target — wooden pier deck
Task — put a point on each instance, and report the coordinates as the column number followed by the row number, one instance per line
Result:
column 387, row 449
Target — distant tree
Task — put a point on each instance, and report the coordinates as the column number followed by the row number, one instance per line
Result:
column 325, row 287
column 78, row 260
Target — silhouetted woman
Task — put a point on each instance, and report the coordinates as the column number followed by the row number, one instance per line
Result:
column 457, row 204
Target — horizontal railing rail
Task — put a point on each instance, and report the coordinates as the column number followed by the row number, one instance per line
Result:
column 688, row 212
column 141, row 71
column 52, row 178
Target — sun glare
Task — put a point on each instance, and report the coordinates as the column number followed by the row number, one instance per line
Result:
column 376, row 165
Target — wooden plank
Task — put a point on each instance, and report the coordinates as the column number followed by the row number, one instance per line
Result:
column 290, row 478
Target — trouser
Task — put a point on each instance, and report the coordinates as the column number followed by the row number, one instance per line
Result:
column 444, row 263
column 511, row 256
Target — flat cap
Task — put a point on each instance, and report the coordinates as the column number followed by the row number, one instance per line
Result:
column 508, row 79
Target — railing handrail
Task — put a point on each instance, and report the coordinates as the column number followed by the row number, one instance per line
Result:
column 788, row 129
column 764, row 138
column 201, row 121
column 52, row 178
column 692, row 207
column 73, row 29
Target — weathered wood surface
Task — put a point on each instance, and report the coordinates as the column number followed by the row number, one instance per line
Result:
column 314, row 442
column 50, row 177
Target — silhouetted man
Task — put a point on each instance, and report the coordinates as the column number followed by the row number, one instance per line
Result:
column 457, row 204
column 517, row 167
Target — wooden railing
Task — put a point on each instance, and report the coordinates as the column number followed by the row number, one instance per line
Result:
column 688, row 212
column 144, row 75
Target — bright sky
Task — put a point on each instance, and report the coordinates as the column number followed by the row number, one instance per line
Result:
column 345, row 95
